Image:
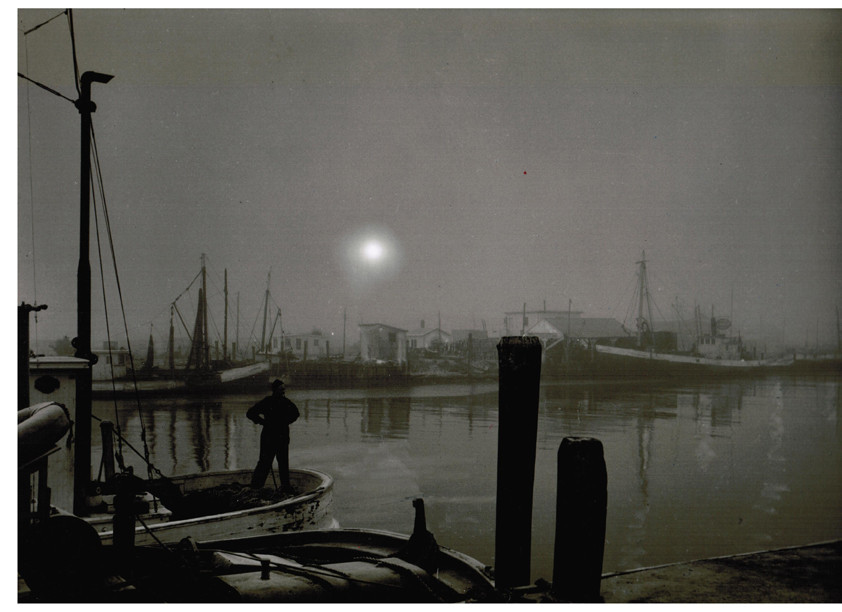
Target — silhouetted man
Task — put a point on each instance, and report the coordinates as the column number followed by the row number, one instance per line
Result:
column 275, row 412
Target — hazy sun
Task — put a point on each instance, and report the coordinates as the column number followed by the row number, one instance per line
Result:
column 373, row 250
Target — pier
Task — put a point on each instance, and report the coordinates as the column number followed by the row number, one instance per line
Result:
column 802, row 574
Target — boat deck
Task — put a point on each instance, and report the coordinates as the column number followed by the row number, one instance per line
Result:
column 806, row 574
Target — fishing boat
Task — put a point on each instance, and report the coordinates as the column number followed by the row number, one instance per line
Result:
column 647, row 352
column 202, row 373
column 206, row 505
column 321, row 566
column 66, row 561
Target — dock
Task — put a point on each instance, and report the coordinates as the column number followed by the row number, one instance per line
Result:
column 803, row 574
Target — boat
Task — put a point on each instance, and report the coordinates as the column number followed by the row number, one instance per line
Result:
column 320, row 566
column 201, row 374
column 66, row 561
column 213, row 505
column 40, row 427
column 650, row 353
column 56, row 389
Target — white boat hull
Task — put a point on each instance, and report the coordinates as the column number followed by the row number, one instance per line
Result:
column 310, row 509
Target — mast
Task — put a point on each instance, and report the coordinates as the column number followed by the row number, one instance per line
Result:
column 644, row 296
column 566, row 340
column 82, row 452
column 272, row 331
column 205, row 344
column 150, row 353
column 265, row 308
column 171, row 343
column 225, row 332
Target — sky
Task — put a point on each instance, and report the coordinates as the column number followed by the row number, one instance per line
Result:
column 498, row 157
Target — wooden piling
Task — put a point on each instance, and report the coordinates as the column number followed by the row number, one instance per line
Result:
column 519, row 361
column 581, row 504
column 107, row 430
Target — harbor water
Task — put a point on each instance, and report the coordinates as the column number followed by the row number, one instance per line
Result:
column 694, row 470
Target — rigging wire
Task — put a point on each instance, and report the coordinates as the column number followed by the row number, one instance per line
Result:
column 73, row 47
column 119, row 453
column 132, row 448
column 31, row 195
column 40, row 25
column 119, row 291
column 50, row 89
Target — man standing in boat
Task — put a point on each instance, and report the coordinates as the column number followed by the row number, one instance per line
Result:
column 274, row 412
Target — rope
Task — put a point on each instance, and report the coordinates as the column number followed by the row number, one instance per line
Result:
column 133, row 449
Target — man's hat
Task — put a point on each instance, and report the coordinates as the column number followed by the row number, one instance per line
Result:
column 278, row 384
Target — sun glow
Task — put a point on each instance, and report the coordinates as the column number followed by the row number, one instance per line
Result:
column 372, row 250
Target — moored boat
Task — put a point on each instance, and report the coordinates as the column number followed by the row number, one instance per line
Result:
column 321, row 566
column 66, row 383
column 216, row 505
column 648, row 353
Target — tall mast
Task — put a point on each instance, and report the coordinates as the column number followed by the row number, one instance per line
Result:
column 205, row 344
column 82, row 452
column 265, row 308
column 225, row 332
column 644, row 296
column 171, row 343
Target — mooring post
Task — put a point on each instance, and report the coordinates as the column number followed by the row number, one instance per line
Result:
column 581, row 504
column 124, row 521
column 519, row 361
column 106, row 428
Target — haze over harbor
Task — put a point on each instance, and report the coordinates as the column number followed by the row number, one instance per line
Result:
column 500, row 157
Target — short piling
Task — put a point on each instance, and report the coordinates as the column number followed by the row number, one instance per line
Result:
column 581, row 504
column 107, row 430
column 519, row 360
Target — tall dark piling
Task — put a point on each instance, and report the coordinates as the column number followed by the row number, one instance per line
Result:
column 124, row 520
column 581, row 503
column 519, row 361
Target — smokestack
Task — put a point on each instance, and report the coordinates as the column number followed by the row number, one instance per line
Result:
column 519, row 360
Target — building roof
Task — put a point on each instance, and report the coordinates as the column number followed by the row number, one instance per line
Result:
column 587, row 327
column 546, row 313
column 382, row 325
column 426, row 331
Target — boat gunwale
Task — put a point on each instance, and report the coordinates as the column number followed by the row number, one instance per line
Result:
column 325, row 486
column 342, row 538
column 691, row 359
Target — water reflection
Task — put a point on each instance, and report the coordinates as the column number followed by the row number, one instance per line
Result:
column 693, row 470
column 386, row 417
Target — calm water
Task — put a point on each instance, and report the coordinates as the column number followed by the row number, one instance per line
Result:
column 693, row 471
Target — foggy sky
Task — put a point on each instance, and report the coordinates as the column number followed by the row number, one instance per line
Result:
column 506, row 157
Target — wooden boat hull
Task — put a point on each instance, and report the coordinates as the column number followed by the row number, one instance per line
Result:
column 614, row 362
column 232, row 380
column 309, row 509
column 321, row 566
